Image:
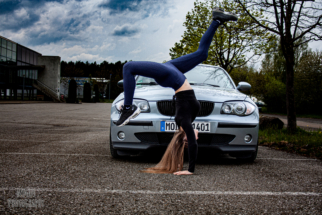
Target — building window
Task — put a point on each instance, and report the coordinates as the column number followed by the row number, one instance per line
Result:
column 9, row 45
column 3, row 43
column 9, row 54
column 14, row 58
column 19, row 56
column 3, row 52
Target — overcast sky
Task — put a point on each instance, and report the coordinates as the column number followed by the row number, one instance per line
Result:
column 97, row 30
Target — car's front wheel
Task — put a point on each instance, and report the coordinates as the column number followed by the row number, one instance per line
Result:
column 250, row 158
column 112, row 150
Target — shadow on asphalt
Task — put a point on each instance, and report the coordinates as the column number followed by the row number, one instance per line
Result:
column 204, row 157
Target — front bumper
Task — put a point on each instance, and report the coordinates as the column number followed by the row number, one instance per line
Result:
column 143, row 147
column 226, row 134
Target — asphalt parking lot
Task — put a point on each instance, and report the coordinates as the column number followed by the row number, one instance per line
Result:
column 55, row 159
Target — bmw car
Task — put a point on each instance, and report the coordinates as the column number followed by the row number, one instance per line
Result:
column 228, row 120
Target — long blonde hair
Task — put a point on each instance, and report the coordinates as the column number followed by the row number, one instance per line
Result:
column 172, row 160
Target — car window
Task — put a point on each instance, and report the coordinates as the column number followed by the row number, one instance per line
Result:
column 209, row 76
column 144, row 80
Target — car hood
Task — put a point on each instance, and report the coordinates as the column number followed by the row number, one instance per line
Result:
column 155, row 93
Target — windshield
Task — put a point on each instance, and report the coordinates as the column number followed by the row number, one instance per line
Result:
column 200, row 75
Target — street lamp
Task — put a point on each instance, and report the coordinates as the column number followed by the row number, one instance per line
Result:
column 109, row 92
column 23, row 87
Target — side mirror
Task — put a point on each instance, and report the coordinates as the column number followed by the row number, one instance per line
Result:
column 243, row 86
column 120, row 84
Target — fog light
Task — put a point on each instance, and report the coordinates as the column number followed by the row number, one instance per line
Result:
column 248, row 138
column 121, row 135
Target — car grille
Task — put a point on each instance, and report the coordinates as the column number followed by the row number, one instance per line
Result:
column 165, row 108
column 203, row 139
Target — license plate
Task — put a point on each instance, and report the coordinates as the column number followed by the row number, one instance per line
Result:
column 171, row 126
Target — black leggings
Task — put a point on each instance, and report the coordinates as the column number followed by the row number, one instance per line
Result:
column 187, row 108
column 169, row 74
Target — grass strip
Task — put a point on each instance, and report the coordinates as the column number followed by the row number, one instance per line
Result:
column 312, row 116
column 307, row 143
column 107, row 100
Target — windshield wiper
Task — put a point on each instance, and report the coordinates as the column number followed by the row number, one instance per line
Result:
column 205, row 84
column 150, row 83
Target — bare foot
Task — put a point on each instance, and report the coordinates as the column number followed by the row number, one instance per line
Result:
column 186, row 172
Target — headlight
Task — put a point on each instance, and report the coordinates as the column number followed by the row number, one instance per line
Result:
column 238, row 108
column 142, row 104
column 227, row 108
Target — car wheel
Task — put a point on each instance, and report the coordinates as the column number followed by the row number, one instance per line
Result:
column 112, row 150
column 249, row 158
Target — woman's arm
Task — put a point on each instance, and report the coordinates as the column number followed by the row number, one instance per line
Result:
column 192, row 150
column 196, row 134
column 185, row 140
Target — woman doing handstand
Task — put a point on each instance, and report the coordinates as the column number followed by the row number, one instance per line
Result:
column 171, row 74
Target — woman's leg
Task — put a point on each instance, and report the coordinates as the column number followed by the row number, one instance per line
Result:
column 130, row 70
column 163, row 74
column 189, row 61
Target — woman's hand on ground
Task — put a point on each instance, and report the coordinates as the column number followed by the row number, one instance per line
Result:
column 196, row 134
column 186, row 172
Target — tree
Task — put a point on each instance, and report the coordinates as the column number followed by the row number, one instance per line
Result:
column 97, row 94
column 254, row 78
column 291, row 20
column 234, row 44
column 308, row 83
column 102, row 76
column 87, row 92
column 117, row 74
column 72, row 91
column 274, row 62
column 71, row 70
column 103, row 70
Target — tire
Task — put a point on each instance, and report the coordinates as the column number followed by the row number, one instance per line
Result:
column 250, row 158
column 112, row 150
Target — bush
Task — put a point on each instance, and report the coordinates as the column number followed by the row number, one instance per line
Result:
column 87, row 92
column 97, row 93
column 308, row 83
column 72, row 91
column 275, row 95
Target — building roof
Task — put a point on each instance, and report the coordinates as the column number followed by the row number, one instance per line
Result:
column 18, row 44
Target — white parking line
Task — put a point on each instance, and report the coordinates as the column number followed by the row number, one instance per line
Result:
column 93, row 155
column 151, row 192
column 37, row 141
column 291, row 159
column 54, row 154
column 57, row 141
